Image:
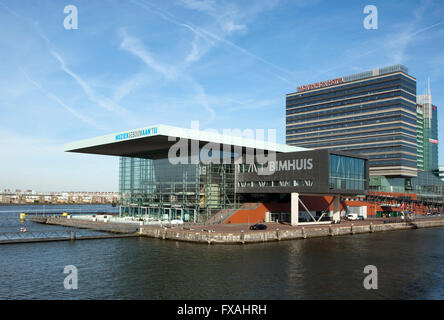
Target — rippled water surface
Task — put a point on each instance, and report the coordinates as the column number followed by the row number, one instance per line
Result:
column 410, row 266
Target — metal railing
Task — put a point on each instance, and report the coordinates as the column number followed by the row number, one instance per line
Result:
column 66, row 234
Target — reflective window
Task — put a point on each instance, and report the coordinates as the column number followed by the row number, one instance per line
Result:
column 346, row 173
column 161, row 190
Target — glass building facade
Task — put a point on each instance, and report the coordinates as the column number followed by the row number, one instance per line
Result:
column 371, row 113
column 420, row 137
column 161, row 190
column 346, row 173
column 428, row 187
column 376, row 114
column 427, row 123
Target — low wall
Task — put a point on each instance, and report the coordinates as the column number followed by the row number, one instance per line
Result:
column 278, row 235
column 85, row 224
column 207, row 236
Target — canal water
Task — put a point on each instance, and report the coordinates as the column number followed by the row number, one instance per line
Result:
column 410, row 265
column 11, row 226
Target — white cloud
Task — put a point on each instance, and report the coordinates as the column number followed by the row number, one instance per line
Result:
column 196, row 52
column 101, row 101
column 225, row 15
column 60, row 102
column 134, row 46
column 215, row 37
column 130, row 85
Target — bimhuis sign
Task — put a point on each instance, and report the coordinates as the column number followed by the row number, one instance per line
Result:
column 305, row 171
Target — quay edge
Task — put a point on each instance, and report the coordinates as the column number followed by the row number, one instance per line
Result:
column 207, row 236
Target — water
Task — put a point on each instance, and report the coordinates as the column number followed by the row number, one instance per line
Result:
column 10, row 224
column 410, row 266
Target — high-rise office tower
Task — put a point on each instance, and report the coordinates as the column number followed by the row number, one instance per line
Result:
column 427, row 132
column 372, row 113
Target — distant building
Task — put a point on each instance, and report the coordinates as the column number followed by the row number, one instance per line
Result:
column 376, row 114
column 372, row 113
column 427, row 137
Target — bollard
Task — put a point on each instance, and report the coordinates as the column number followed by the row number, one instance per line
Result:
column 209, row 237
column 352, row 231
column 330, row 231
column 304, row 235
column 278, row 234
column 242, row 236
column 72, row 235
column 371, row 227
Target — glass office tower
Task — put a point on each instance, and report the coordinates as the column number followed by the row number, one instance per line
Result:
column 428, row 184
column 371, row 113
column 428, row 128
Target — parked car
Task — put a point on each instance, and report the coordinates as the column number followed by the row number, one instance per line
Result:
column 352, row 216
column 258, row 226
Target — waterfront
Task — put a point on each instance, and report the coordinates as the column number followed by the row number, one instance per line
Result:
column 410, row 266
column 10, row 215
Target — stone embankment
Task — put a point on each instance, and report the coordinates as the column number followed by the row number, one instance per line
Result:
column 274, row 233
column 240, row 234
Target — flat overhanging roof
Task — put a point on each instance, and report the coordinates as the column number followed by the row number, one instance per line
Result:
column 155, row 141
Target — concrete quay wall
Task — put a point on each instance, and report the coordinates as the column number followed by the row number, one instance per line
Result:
column 279, row 235
column 85, row 224
column 199, row 235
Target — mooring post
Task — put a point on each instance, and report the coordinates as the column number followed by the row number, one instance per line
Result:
column 242, row 236
column 330, row 231
column 209, row 237
column 278, row 235
column 72, row 235
column 304, row 235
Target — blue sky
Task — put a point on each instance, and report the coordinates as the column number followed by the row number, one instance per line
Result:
column 226, row 64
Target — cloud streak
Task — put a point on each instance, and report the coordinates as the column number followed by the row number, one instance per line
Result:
column 134, row 46
column 60, row 102
column 212, row 38
column 102, row 102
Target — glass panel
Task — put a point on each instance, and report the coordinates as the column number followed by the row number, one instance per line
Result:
column 202, row 189
column 346, row 173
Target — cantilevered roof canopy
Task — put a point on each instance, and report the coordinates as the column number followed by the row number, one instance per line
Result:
column 154, row 142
